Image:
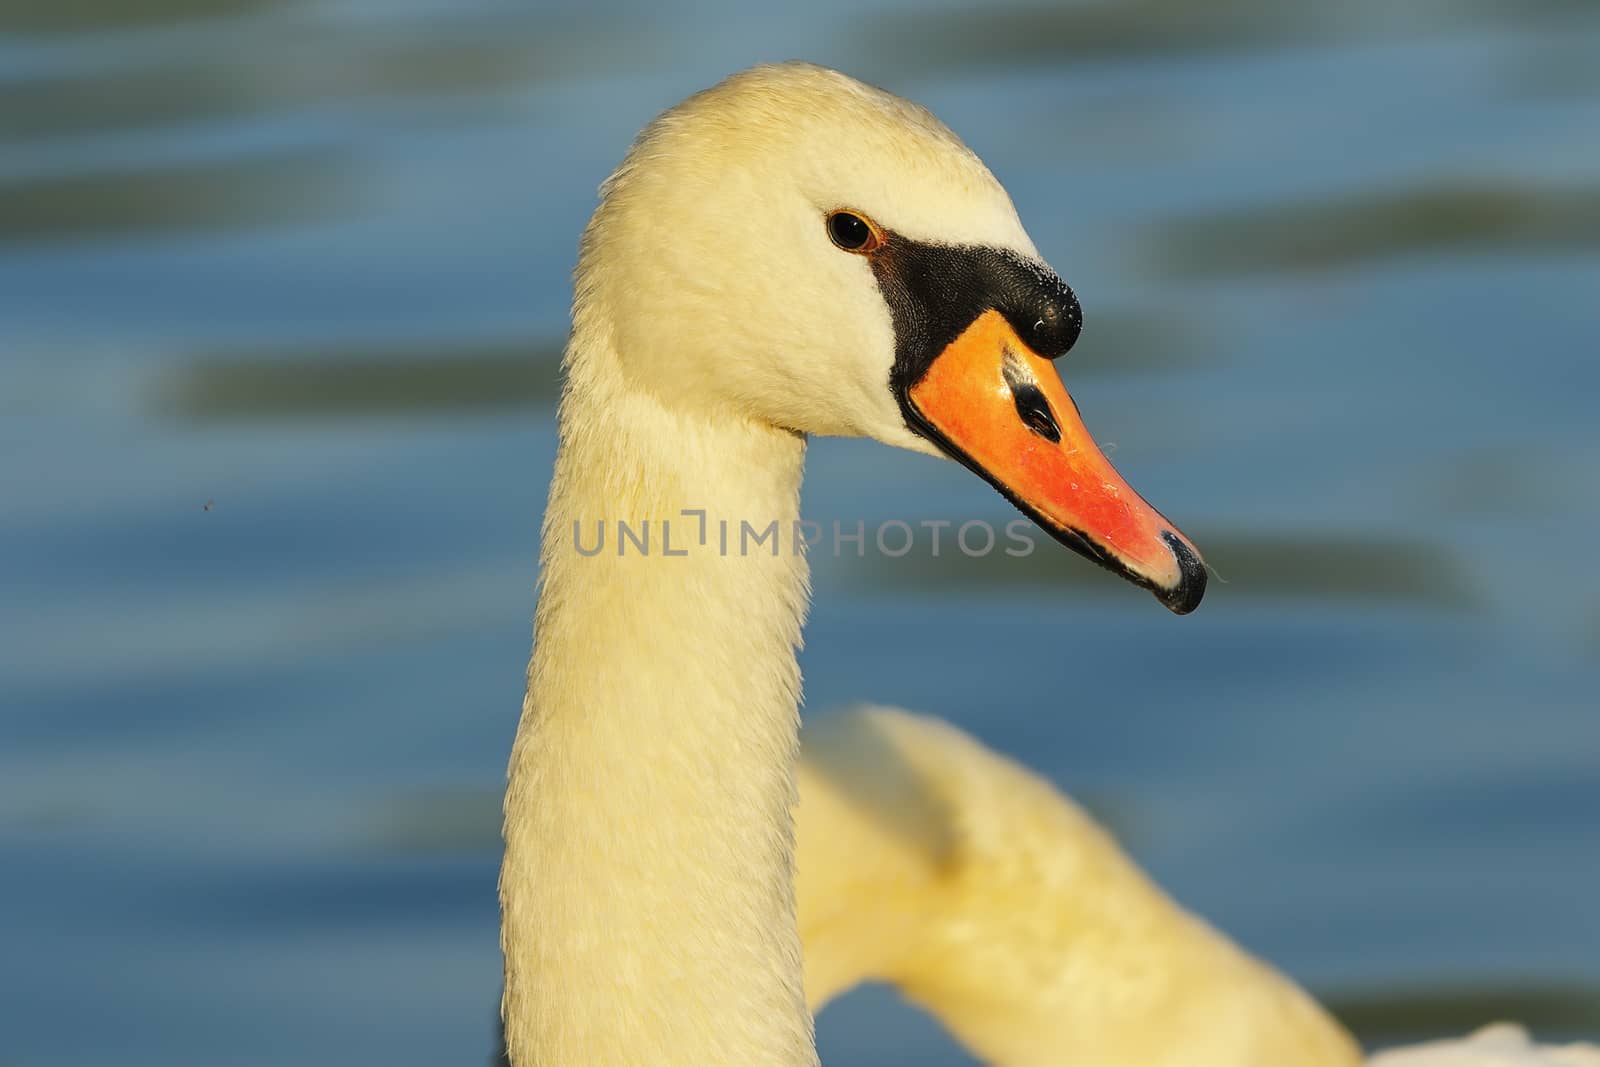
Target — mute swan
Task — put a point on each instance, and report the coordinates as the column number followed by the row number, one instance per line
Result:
column 787, row 253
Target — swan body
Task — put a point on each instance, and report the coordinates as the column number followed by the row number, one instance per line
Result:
column 931, row 862
column 934, row 864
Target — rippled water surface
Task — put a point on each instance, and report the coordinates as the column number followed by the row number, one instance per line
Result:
column 282, row 289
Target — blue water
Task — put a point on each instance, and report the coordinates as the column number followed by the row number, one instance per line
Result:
column 261, row 657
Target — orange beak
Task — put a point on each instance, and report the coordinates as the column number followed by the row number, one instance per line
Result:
column 996, row 405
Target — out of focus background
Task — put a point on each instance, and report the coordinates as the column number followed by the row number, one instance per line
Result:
column 282, row 291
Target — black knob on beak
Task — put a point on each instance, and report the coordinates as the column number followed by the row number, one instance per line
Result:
column 1046, row 314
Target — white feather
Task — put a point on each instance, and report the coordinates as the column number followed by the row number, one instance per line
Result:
column 649, row 884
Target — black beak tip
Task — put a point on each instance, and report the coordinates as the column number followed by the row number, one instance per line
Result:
column 1185, row 596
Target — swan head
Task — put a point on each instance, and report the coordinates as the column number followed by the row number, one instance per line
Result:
column 813, row 253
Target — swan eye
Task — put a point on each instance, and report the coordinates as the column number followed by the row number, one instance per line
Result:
column 852, row 233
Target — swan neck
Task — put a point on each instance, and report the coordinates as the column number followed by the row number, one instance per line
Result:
column 647, row 889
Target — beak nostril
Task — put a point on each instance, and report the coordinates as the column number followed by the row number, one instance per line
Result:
column 1040, row 422
column 1033, row 407
column 1034, row 410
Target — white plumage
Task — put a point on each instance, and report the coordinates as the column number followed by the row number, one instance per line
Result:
column 1499, row 1045
column 650, row 878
